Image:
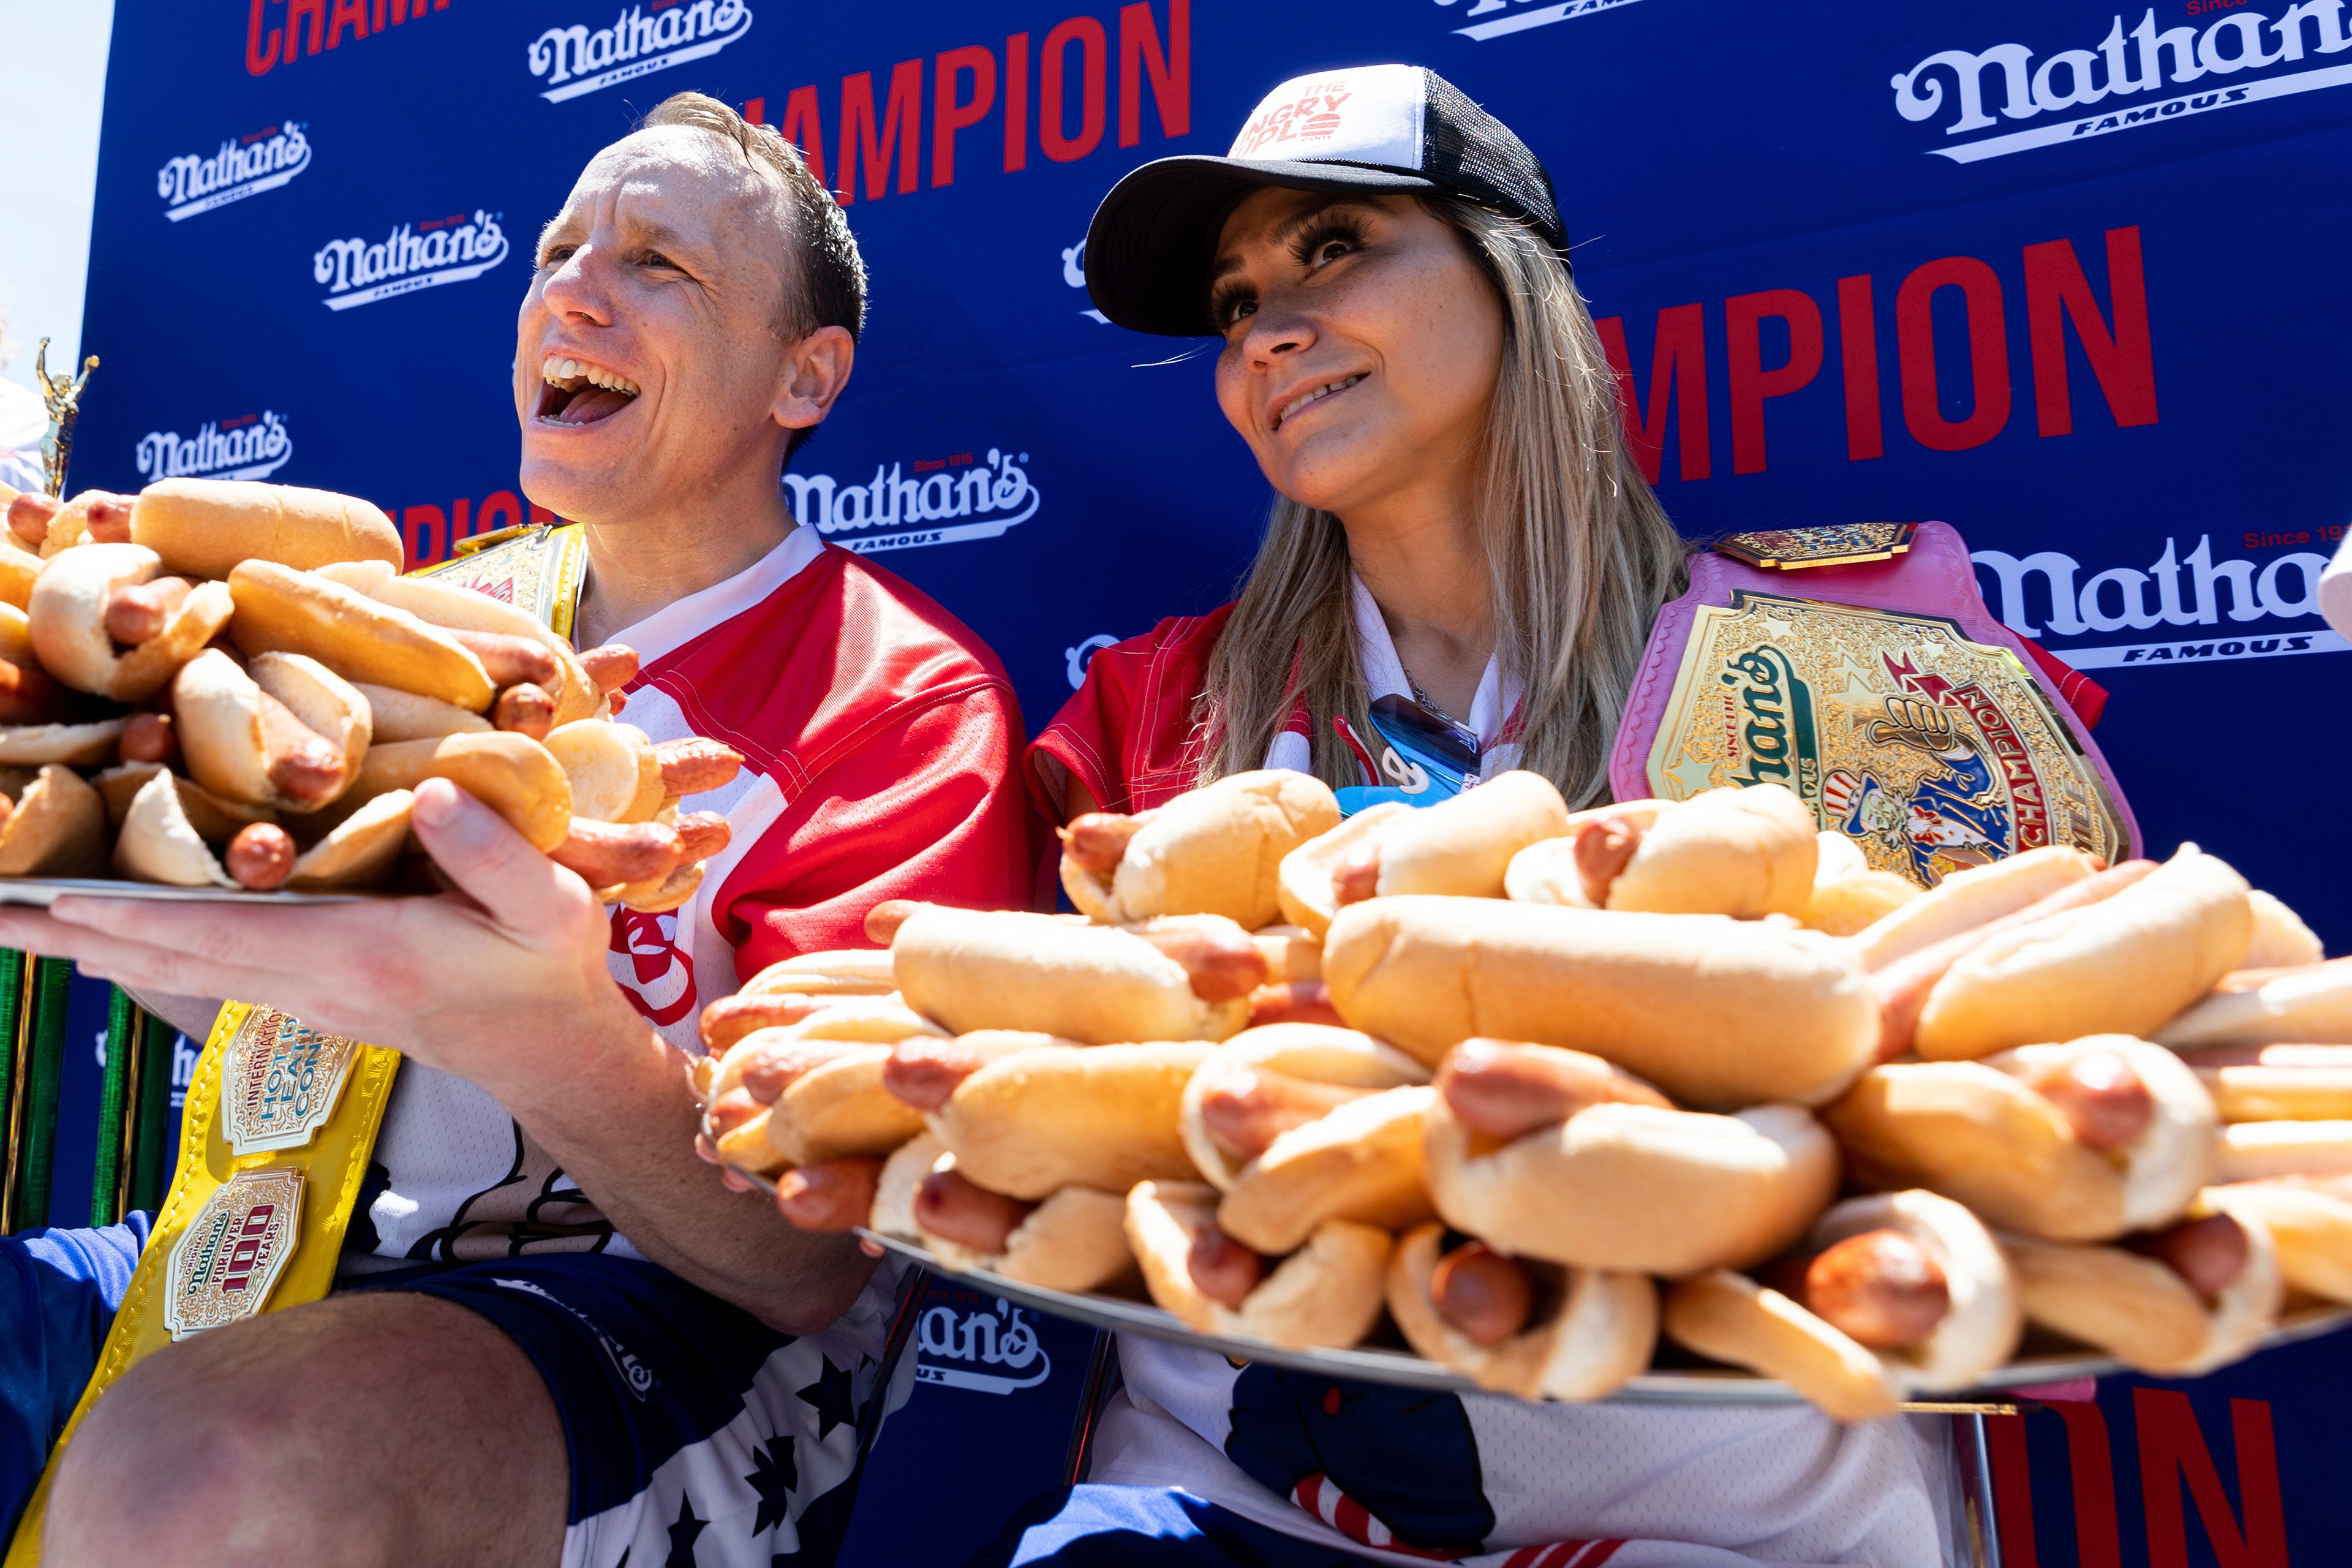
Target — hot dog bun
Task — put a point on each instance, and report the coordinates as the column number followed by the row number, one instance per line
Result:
column 1736, row 1321
column 1718, row 1012
column 1746, row 853
column 1033, row 1123
column 2281, row 939
column 78, row 745
column 1303, row 883
column 1075, row 1240
column 1596, row 1334
column 1216, row 850
column 614, row 774
column 19, row 568
column 845, row 972
column 1980, row 1328
column 401, row 715
column 1316, row 1053
column 462, row 609
column 2124, row 965
column 360, row 851
column 1849, row 897
column 2310, row 1223
column 1625, row 1186
column 2140, row 1310
column 2252, row 1151
column 1328, row 1292
column 2311, row 1004
column 839, row 1107
column 206, row 528
column 224, row 737
column 1464, row 846
column 67, row 621
column 157, row 844
column 57, row 828
column 2278, row 1083
column 512, row 774
column 1097, row 984
column 281, row 610
column 1966, row 900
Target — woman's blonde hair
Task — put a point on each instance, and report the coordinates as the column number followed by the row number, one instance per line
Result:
column 1580, row 555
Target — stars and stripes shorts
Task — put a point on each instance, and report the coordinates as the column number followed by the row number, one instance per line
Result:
column 697, row 1434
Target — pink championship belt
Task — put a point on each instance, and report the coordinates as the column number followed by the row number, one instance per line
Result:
column 1875, row 684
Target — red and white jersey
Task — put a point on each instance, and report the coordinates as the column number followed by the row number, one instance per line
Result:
column 879, row 739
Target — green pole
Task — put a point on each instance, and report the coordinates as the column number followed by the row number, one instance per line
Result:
column 110, row 1170
column 44, row 1042
column 12, row 1081
column 151, row 1156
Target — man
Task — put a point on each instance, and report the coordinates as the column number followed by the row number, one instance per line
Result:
column 692, row 318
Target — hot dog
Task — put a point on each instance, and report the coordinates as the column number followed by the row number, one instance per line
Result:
column 1503, row 1091
column 1299, row 1123
column 1513, row 1326
column 514, row 776
column 527, row 710
column 695, row 764
column 607, row 853
column 1073, row 1239
column 1214, row 851
column 2178, row 1304
column 510, row 661
column 85, row 607
column 1967, row 900
column 1746, row 853
column 1096, row 984
column 613, row 770
column 925, row 1073
column 1622, row 1181
column 845, row 972
column 261, row 856
column 1716, row 1013
column 1459, row 846
column 54, row 825
column 206, row 528
column 358, row 637
column 522, row 647
column 1034, row 1121
column 2309, row 1220
column 1327, row 1292
column 1292, row 1002
column 831, row 1195
column 1849, row 894
column 2277, row 1083
column 2281, row 939
column 731, row 1018
column 285, row 733
column 840, row 1107
column 2081, row 1141
column 2312, row 1004
column 1221, row 961
column 98, row 517
column 611, row 666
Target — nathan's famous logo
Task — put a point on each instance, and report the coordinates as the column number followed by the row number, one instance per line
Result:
column 440, row 251
column 2235, row 60
column 993, row 1350
column 245, row 166
column 1506, row 16
column 1775, row 722
column 896, row 510
column 252, row 447
column 643, row 39
column 2045, row 593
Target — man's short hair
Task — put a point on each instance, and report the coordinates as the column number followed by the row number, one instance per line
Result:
column 824, row 282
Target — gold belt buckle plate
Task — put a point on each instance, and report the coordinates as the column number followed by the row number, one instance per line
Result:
column 281, row 1081
column 227, row 1261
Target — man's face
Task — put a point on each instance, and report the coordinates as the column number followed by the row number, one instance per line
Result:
column 648, row 365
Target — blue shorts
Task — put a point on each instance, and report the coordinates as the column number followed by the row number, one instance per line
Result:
column 1145, row 1527
column 684, row 1418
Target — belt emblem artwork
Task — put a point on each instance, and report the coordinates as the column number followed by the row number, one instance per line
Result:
column 280, row 1081
column 225, row 1263
column 1932, row 753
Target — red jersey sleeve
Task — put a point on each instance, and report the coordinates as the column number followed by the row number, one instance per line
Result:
column 1130, row 734
column 925, row 806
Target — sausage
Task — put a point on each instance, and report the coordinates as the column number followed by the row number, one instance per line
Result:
column 7, row 810
column 2102, row 1099
column 1902, row 986
column 29, row 695
column 1097, row 840
column 1604, row 848
column 1483, row 1294
column 695, row 764
column 511, row 660
column 136, row 612
column 1250, row 1110
column 778, row 1066
column 261, row 856
column 1221, row 965
column 611, row 666
column 925, row 1072
column 831, row 1195
column 300, row 763
column 1881, row 1288
column 704, row 834
column 1294, row 1001
column 108, row 518
column 1505, row 1091
column 731, row 1018
column 883, row 920
column 524, row 708
column 1357, row 877
column 149, row 738
column 731, row 1111
column 1223, row 1269
column 955, row 1209
column 29, row 516
column 614, row 702
column 2209, row 1253
column 609, row 853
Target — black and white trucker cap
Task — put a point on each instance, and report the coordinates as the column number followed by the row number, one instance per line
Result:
column 1368, row 129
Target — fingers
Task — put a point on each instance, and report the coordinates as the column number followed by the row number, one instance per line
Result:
column 488, row 861
column 129, row 963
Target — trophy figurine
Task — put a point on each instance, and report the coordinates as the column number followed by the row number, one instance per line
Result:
column 63, row 395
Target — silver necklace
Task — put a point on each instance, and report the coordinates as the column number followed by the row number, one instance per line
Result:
column 1424, row 699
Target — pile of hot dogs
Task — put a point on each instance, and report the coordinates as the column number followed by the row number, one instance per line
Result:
column 1539, row 1088
column 216, row 684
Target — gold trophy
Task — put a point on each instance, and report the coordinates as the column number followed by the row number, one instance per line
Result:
column 63, row 395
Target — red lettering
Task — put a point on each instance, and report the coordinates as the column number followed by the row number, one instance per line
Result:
column 755, row 112
column 258, row 60
column 1914, row 335
column 425, row 535
column 1858, row 351
column 351, row 13
column 1172, row 73
column 1095, row 46
column 1016, row 102
column 947, row 115
column 1677, row 360
column 1751, row 384
column 2173, row 1449
column 805, row 128
column 902, row 131
column 500, row 504
column 295, row 11
column 459, row 526
column 2092, row 1467
column 2013, row 1490
column 2121, row 358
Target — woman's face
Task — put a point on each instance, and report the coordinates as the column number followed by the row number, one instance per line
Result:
column 1361, row 344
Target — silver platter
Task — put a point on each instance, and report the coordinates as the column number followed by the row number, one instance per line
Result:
column 1408, row 1370
column 45, row 890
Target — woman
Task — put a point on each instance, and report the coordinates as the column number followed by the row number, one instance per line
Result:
column 1462, row 568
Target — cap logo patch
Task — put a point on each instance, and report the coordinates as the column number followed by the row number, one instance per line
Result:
column 1370, row 116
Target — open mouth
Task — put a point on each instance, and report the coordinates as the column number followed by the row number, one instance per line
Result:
column 577, row 393
column 1308, row 399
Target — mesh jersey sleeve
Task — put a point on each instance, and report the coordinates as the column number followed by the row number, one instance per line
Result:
column 925, row 806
